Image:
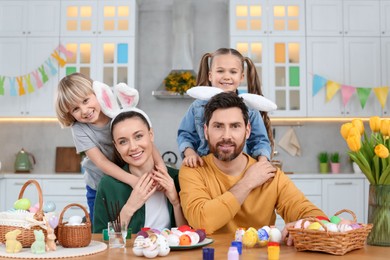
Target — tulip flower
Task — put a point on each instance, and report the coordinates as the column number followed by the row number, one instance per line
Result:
column 385, row 125
column 359, row 125
column 375, row 123
column 381, row 151
column 354, row 142
column 344, row 130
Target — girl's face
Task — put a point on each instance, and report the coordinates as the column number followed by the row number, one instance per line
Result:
column 87, row 111
column 226, row 72
column 133, row 141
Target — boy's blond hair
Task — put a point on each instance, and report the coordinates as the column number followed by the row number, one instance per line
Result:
column 72, row 89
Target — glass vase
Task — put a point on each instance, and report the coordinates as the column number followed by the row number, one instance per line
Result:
column 379, row 215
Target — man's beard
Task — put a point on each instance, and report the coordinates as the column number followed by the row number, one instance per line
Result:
column 226, row 157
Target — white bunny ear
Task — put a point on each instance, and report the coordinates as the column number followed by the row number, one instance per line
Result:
column 203, row 92
column 128, row 96
column 106, row 98
column 258, row 102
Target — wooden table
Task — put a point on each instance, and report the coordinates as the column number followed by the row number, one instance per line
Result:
column 221, row 245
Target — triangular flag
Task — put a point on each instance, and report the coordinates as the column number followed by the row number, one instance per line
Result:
column 30, row 87
column 346, row 93
column 21, row 88
column 12, row 87
column 381, row 95
column 363, row 94
column 318, row 83
column 38, row 80
column 2, row 79
column 331, row 89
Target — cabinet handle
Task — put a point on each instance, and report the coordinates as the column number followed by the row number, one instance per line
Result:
column 346, row 32
column 343, row 183
column 77, row 188
column 18, row 183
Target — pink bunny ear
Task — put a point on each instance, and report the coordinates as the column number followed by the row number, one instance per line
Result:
column 128, row 96
column 106, row 99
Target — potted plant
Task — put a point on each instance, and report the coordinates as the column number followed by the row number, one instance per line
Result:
column 323, row 157
column 335, row 162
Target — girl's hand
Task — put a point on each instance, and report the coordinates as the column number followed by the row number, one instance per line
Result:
column 168, row 186
column 141, row 193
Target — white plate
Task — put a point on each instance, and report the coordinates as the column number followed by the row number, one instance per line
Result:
column 205, row 242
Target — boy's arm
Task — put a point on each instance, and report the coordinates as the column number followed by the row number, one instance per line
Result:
column 110, row 168
column 258, row 142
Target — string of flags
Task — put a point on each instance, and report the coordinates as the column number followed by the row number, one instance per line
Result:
column 36, row 79
column 347, row 91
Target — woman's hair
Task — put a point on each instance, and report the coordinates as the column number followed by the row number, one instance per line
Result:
column 122, row 116
column 72, row 89
column 253, row 80
column 225, row 100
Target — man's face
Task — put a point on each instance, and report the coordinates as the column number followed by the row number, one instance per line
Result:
column 226, row 133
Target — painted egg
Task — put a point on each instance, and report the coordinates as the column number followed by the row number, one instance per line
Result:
column 194, row 237
column 315, row 226
column 165, row 232
column 138, row 246
column 184, row 228
column 263, row 243
column 322, row 218
column 239, row 234
column 173, row 240
column 53, row 221
column 344, row 227
column 33, row 209
column 156, row 231
column 176, row 232
column 163, row 246
column 250, row 238
column 331, row 227
column 49, row 206
column 262, row 234
column 346, row 222
column 335, row 219
column 185, row 240
column 355, row 226
column 23, row 204
column 202, row 234
column 150, row 253
column 275, row 235
column 75, row 220
column 142, row 233
column 266, row 228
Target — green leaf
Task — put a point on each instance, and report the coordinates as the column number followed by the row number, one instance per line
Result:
column 356, row 157
column 376, row 168
column 385, row 175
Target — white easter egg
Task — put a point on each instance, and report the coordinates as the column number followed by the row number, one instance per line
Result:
column 275, row 235
column 194, row 237
column 75, row 220
column 266, row 228
column 150, row 253
column 173, row 240
column 176, row 232
column 331, row 227
column 163, row 246
column 138, row 246
column 298, row 224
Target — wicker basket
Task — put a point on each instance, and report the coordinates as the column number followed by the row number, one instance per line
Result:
column 74, row 236
column 26, row 238
column 336, row 243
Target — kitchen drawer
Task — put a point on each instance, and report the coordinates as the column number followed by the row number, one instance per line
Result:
column 309, row 187
column 64, row 187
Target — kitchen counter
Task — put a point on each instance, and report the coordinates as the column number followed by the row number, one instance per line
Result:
column 26, row 176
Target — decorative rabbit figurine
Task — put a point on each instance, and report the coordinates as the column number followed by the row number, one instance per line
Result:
column 12, row 245
column 50, row 239
column 38, row 247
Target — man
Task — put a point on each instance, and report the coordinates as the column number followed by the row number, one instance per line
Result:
column 231, row 189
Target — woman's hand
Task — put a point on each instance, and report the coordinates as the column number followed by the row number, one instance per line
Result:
column 167, row 184
column 141, row 193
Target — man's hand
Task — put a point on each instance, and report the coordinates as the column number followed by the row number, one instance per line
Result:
column 288, row 240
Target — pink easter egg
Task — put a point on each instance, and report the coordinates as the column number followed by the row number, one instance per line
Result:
column 33, row 209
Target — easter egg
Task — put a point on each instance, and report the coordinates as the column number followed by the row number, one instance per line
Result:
column 185, row 240
column 23, row 204
column 250, row 238
column 202, row 234
column 315, row 226
column 184, row 228
column 355, row 226
column 165, row 232
column 322, row 218
column 239, row 234
column 335, row 219
column 49, row 206
column 138, row 246
column 262, row 234
column 75, row 220
column 275, row 235
column 173, row 240
column 163, row 245
column 194, row 237
column 53, row 221
column 142, row 233
column 332, row 227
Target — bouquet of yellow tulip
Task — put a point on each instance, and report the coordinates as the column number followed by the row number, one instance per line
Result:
column 370, row 153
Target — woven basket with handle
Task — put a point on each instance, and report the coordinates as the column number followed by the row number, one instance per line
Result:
column 336, row 243
column 77, row 235
column 26, row 238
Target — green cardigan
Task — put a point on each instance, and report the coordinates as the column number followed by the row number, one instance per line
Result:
column 113, row 190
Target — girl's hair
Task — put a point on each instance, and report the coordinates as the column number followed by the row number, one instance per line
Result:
column 253, row 80
column 72, row 89
column 119, row 118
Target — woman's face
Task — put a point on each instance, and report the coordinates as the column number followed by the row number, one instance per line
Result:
column 133, row 141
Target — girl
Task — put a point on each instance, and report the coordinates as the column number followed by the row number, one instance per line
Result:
column 226, row 72
column 77, row 107
column 143, row 205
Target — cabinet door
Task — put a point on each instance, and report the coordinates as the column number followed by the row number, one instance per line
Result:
column 12, row 18
column 286, row 17
column 325, row 58
column 324, row 17
column 248, row 18
column 362, row 69
column 13, row 188
column 340, row 194
column 385, row 61
column 361, row 18
column 385, row 18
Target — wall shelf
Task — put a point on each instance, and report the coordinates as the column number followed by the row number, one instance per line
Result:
column 163, row 94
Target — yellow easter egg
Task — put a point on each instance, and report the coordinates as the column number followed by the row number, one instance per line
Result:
column 249, row 239
column 23, row 204
column 263, row 243
column 314, row 226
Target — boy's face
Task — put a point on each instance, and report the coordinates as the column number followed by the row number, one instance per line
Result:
column 226, row 133
column 87, row 111
column 226, row 72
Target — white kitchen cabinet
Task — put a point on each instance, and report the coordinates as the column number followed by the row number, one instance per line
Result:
column 352, row 61
column 343, row 17
column 344, row 194
column 21, row 56
column 102, row 37
column 29, row 18
column 385, row 62
column 385, row 18
column 2, row 194
column 13, row 188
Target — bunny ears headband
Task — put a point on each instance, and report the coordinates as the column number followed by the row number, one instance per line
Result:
column 123, row 99
column 254, row 101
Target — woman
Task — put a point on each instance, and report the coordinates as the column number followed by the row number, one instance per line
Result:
column 146, row 205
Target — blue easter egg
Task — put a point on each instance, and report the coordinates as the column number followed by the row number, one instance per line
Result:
column 49, row 206
column 262, row 234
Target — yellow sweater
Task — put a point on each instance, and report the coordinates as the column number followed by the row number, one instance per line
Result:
column 207, row 202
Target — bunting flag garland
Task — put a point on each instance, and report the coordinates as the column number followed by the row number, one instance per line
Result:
column 363, row 93
column 25, row 84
